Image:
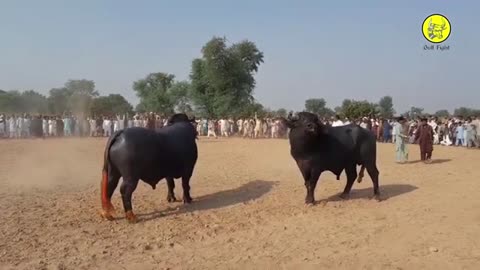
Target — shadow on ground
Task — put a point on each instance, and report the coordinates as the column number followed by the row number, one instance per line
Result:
column 206, row 140
column 386, row 191
column 434, row 161
column 247, row 192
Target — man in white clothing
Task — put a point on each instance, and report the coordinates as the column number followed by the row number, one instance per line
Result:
column 211, row 129
column 107, row 127
column 19, row 127
column 347, row 122
column 224, row 127
column 364, row 123
column 12, row 127
column 337, row 122
column 2, row 125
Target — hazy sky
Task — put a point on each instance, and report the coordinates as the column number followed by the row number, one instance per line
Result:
column 329, row 49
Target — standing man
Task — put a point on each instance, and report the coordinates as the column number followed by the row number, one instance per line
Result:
column 476, row 123
column 211, row 129
column 459, row 134
column 12, row 126
column 150, row 121
column 386, row 131
column 107, row 127
column 2, row 126
column 470, row 133
column 400, row 141
column 337, row 122
column 424, row 135
column 20, row 127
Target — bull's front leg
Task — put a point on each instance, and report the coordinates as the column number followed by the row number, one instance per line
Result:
column 126, row 189
column 305, row 170
column 171, row 187
column 311, row 185
column 310, row 176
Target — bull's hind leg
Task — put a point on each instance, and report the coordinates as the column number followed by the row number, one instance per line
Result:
column 373, row 172
column 109, row 184
column 186, row 189
column 127, row 188
column 171, row 187
column 351, row 176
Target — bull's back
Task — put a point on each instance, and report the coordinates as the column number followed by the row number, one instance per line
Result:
column 361, row 144
column 181, row 140
column 152, row 155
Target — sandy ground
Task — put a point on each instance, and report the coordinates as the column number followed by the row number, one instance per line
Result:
column 248, row 212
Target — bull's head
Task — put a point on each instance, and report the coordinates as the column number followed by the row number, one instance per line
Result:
column 180, row 117
column 304, row 122
column 435, row 29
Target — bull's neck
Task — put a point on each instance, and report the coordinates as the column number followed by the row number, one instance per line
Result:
column 304, row 145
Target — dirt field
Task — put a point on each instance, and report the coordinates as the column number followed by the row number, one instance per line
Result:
column 248, row 212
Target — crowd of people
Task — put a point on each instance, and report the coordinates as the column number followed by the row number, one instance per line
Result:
column 426, row 132
column 27, row 126
column 455, row 131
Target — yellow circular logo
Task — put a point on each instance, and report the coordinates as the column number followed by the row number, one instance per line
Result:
column 436, row 28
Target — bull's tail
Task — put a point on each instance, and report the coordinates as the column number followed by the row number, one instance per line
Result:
column 361, row 174
column 106, row 204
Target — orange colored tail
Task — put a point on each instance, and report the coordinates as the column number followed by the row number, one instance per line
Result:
column 106, row 204
column 104, row 187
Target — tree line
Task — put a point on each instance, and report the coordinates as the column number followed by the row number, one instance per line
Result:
column 77, row 97
column 221, row 84
column 355, row 109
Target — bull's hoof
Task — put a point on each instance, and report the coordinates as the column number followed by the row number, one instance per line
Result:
column 131, row 217
column 171, row 199
column 359, row 179
column 106, row 215
column 307, row 205
column 309, row 201
column 377, row 197
column 187, row 200
column 344, row 196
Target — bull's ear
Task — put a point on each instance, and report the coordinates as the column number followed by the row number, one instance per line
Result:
column 288, row 122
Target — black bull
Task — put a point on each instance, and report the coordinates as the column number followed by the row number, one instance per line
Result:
column 142, row 154
column 317, row 148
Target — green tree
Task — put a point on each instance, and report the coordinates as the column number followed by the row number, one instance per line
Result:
column 281, row 113
column 353, row 109
column 76, row 97
column 58, row 100
column 23, row 102
column 385, row 107
column 338, row 110
column 315, row 105
column 81, row 94
column 112, row 104
column 223, row 78
column 442, row 113
column 253, row 109
column 10, row 102
column 179, row 94
column 33, row 102
column 415, row 112
column 153, row 92
column 466, row 112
